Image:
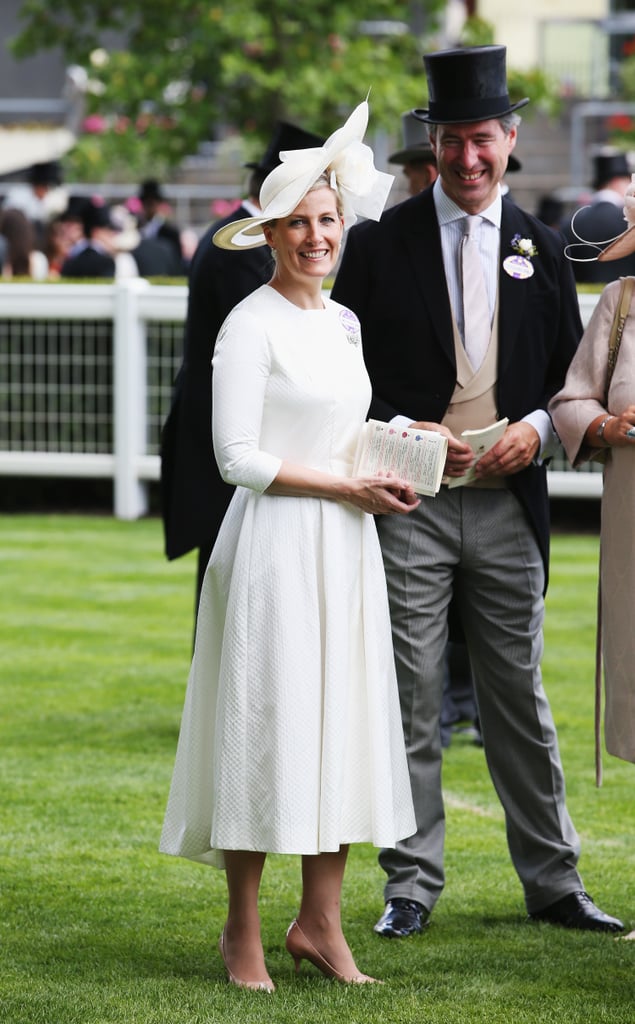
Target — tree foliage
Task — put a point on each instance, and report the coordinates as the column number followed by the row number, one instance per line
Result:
column 164, row 75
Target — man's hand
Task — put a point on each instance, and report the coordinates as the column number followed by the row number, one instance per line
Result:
column 515, row 450
column 460, row 456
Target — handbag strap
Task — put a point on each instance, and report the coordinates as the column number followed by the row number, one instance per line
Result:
column 615, row 338
column 617, row 327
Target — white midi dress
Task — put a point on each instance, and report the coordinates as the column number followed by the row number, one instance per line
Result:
column 291, row 738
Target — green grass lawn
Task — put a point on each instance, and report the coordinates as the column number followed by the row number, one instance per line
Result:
column 97, row 928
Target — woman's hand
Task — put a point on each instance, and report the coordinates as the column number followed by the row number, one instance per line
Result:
column 616, row 429
column 381, row 494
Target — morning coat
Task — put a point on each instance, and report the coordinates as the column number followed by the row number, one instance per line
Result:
column 392, row 276
column 194, row 498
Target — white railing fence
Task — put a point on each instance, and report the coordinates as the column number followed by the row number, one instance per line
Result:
column 86, row 374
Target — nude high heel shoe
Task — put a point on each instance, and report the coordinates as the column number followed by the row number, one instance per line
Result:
column 300, row 947
column 255, row 986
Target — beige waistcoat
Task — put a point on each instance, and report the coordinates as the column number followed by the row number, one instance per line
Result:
column 473, row 404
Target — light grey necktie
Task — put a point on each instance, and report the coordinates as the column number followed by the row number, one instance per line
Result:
column 476, row 318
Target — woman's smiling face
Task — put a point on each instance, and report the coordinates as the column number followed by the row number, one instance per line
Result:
column 307, row 242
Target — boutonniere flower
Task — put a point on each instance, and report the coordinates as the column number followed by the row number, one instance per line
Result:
column 524, row 247
column 519, row 265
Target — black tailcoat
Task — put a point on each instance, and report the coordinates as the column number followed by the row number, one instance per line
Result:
column 392, row 276
column 89, row 262
column 194, row 497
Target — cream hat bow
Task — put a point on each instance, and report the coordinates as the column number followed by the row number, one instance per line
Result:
column 347, row 161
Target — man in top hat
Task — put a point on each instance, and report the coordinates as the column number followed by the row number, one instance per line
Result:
column 416, row 158
column 93, row 254
column 459, row 703
column 465, row 358
column 601, row 221
column 40, row 197
column 194, row 497
column 155, row 226
column 101, row 251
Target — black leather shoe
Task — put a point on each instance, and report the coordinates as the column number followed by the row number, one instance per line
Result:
column 402, row 918
column 577, row 910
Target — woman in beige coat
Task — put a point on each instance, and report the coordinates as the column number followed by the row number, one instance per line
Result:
column 591, row 423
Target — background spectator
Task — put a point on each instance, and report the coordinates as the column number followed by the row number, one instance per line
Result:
column 417, row 160
column 153, row 223
column 21, row 258
column 601, row 221
column 97, row 253
column 39, row 198
column 63, row 232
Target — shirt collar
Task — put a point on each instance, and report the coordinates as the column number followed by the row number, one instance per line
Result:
column 447, row 210
column 252, row 209
column 608, row 195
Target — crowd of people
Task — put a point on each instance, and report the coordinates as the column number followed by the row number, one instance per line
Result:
column 326, row 601
column 45, row 233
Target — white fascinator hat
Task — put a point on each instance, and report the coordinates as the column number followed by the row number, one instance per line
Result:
column 348, row 163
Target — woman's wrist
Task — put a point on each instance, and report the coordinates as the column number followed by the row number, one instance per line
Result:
column 600, row 431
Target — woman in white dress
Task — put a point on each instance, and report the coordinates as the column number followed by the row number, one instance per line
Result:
column 291, row 738
column 589, row 423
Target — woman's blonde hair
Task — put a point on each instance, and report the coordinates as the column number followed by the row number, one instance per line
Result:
column 324, row 181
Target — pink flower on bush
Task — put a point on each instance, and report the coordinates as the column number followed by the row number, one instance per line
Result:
column 94, row 124
column 121, row 125
column 620, row 123
column 133, row 205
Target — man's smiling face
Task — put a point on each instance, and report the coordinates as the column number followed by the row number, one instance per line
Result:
column 472, row 159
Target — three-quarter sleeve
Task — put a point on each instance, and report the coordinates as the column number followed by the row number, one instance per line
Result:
column 242, row 368
column 582, row 397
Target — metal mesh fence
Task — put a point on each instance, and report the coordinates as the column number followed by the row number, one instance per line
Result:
column 57, row 381
column 164, row 348
column 56, row 384
column 560, row 463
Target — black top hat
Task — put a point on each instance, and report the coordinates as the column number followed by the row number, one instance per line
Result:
column 415, row 142
column 151, row 189
column 467, row 85
column 609, row 165
column 47, row 173
column 98, row 215
column 76, row 209
column 285, row 136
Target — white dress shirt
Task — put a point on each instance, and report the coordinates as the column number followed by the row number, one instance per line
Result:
column 450, row 218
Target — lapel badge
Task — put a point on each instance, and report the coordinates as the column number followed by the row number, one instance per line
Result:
column 518, row 267
column 351, row 326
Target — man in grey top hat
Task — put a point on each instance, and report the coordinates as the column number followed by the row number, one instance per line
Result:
column 416, row 158
column 470, row 316
column 601, row 221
